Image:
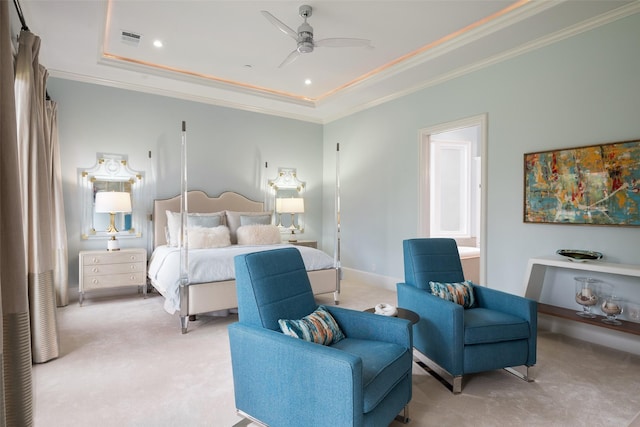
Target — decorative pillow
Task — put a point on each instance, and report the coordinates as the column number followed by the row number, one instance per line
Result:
column 233, row 221
column 208, row 237
column 319, row 327
column 258, row 234
column 204, row 220
column 207, row 220
column 460, row 293
column 255, row 219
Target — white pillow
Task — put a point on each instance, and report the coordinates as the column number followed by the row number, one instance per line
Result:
column 194, row 219
column 212, row 237
column 258, row 234
column 173, row 228
column 234, row 221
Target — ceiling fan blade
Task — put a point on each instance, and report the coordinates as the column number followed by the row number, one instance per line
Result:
column 343, row 42
column 290, row 58
column 280, row 25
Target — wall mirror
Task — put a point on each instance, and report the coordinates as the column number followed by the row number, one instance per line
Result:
column 111, row 172
column 287, row 186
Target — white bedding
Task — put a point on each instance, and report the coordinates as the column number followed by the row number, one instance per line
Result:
column 213, row 265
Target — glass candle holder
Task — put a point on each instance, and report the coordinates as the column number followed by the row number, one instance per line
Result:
column 633, row 311
column 587, row 289
column 611, row 307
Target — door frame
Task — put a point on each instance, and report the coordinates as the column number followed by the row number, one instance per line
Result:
column 424, row 136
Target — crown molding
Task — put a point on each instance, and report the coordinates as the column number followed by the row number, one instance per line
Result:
column 83, row 78
column 607, row 18
column 525, row 11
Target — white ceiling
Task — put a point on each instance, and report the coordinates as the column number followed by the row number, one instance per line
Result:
column 227, row 53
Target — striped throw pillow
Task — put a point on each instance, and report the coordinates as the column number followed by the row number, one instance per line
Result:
column 460, row 293
column 319, row 327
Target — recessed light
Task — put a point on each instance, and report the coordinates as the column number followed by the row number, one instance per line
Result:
column 157, row 43
column 307, row 82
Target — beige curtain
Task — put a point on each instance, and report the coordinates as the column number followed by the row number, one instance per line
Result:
column 34, row 159
column 60, row 257
column 16, row 396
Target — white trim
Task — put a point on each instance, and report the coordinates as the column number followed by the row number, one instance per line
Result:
column 377, row 280
column 568, row 32
column 178, row 95
column 463, row 151
column 423, row 184
column 504, row 21
column 606, row 337
column 522, row 13
column 204, row 81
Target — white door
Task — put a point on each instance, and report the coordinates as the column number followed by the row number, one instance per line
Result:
column 452, row 178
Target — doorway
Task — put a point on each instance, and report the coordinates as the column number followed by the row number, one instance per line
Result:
column 453, row 188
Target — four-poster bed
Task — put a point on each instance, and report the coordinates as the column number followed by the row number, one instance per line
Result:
column 200, row 295
column 201, row 278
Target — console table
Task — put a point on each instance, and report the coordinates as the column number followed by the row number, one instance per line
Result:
column 534, row 280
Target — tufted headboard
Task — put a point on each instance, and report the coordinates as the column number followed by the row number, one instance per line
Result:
column 198, row 202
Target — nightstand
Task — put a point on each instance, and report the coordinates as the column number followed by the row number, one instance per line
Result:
column 309, row 243
column 104, row 270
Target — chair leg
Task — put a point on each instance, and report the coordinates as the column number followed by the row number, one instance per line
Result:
column 453, row 383
column 403, row 416
column 526, row 373
column 247, row 419
column 456, row 385
column 242, row 423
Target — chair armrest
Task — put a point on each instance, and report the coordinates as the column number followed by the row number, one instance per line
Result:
column 437, row 312
column 267, row 376
column 507, row 303
column 439, row 334
column 369, row 326
column 515, row 305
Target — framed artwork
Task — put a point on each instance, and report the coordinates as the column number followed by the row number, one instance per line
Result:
column 596, row 185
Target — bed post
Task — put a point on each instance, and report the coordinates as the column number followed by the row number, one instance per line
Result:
column 336, row 251
column 184, row 244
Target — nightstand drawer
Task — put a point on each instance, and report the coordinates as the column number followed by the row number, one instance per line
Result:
column 114, row 280
column 101, row 269
column 113, row 258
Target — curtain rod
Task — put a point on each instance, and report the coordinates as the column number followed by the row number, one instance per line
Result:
column 16, row 3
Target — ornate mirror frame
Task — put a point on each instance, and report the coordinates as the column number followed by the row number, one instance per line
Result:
column 287, row 184
column 111, row 172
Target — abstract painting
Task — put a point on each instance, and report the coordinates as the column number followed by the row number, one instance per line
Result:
column 597, row 184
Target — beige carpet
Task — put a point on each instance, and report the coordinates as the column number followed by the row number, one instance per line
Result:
column 123, row 362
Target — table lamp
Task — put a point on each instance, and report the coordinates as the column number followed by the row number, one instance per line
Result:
column 112, row 202
column 293, row 205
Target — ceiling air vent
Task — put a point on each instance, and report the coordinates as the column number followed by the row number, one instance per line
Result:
column 130, row 38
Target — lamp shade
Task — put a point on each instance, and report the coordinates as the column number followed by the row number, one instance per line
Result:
column 112, row 201
column 293, row 205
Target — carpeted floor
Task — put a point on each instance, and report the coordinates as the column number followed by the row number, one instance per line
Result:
column 125, row 363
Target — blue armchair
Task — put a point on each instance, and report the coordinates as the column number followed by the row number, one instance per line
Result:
column 498, row 332
column 362, row 380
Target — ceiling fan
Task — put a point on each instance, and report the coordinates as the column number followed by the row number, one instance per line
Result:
column 304, row 36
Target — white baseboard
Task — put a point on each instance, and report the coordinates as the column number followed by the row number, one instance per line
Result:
column 601, row 336
column 385, row 282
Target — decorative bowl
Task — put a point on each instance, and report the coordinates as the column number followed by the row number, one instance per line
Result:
column 578, row 255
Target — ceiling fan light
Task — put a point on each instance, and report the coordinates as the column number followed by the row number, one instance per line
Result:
column 305, row 47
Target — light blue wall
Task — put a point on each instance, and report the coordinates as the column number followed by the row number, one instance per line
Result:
column 580, row 91
column 227, row 149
